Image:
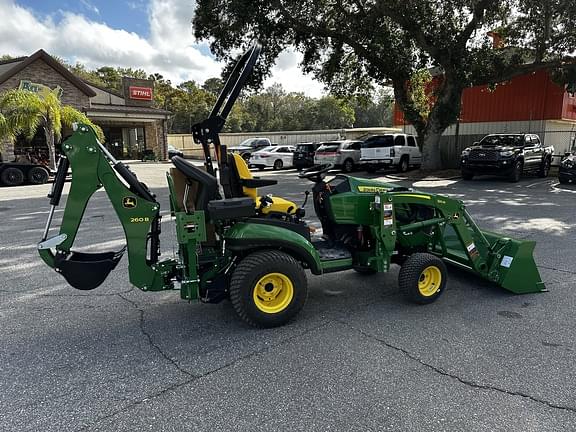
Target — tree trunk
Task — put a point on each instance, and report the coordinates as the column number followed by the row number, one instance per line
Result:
column 431, row 157
column 49, row 134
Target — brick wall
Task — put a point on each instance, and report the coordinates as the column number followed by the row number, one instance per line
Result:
column 40, row 72
column 156, row 138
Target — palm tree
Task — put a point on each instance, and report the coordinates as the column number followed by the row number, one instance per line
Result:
column 23, row 112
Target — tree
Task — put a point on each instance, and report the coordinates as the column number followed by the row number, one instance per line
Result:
column 23, row 112
column 350, row 45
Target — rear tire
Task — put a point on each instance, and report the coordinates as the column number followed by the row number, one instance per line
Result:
column 348, row 166
column 12, row 176
column 422, row 278
column 545, row 168
column 516, row 173
column 404, row 164
column 38, row 175
column 467, row 175
column 268, row 289
column 278, row 165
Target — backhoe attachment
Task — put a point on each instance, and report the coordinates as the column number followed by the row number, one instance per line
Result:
column 93, row 167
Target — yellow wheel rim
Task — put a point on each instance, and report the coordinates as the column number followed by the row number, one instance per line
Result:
column 430, row 281
column 273, row 293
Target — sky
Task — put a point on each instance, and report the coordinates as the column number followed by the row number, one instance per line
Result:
column 154, row 35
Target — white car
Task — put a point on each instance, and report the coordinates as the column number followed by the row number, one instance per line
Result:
column 276, row 157
column 391, row 150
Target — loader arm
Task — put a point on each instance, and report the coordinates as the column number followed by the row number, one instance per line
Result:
column 93, row 168
column 453, row 235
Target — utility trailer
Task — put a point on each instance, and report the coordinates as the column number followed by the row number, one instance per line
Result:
column 253, row 250
column 16, row 174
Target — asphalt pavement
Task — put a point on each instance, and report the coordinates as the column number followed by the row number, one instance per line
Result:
column 358, row 357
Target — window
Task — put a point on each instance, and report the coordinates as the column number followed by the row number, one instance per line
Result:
column 411, row 141
column 283, row 150
column 399, row 140
column 379, row 141
column 355, row 146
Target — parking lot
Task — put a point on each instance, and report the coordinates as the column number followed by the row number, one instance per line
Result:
column 358, row 358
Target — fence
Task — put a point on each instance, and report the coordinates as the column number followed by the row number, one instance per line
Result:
column 451, row 146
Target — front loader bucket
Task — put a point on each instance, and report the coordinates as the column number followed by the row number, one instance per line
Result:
column 509, row 262
column 514, row 266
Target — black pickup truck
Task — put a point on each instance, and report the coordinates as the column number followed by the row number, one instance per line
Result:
column 509, row 155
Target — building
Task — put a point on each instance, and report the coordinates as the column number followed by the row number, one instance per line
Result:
column 528, row 103
column 129, row 121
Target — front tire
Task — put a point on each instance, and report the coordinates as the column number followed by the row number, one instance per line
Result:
column 278, row 165
column 268, row 289
column 348, row 166
column 422, row 278
column 544, row 168
column 516, row 173
column 12, row 176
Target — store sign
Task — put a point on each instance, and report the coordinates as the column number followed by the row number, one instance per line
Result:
column 141, row 93
column 40, row 89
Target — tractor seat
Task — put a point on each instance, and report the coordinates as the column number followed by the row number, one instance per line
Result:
column 207, row 183
column 237, row 181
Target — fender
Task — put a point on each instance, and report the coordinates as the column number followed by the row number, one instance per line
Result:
column 246, row 236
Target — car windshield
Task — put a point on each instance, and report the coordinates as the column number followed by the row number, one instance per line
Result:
column 304, row 147
column 379, row 141
column 250, row 142
column 503, row 140
column 266, row 149
column 328, row 148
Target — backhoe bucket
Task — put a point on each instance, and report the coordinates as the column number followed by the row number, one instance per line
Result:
column 515, row 267
column 86, row 271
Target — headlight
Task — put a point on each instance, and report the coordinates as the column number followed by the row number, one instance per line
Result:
column 466, row 151
column 568, row 163
column 507, row 153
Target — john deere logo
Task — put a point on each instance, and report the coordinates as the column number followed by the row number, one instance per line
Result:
column 40, row 89
column 129, row 202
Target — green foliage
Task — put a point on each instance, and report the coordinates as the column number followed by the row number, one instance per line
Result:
column 23, row 113
column 419, row 88
column 353, row 45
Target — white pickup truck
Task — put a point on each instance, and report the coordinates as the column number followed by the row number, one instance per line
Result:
column 390, row 150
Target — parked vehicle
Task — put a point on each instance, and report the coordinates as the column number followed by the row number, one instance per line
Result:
column 23, row 170
column 567, row 172
column 276, row 157
column 509, row 155
column 304, row 155
column 249, row 146
column 173, row 151
column 344, row 155
column 391, row 150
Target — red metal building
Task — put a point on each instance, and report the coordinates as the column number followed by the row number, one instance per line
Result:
column 528, row 103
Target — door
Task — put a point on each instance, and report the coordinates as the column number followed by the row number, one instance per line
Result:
column 532, row 152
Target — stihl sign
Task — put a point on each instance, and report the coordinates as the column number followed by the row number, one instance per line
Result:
column 141, row 93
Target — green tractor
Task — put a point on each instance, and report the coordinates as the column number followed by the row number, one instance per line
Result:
column 252, row 249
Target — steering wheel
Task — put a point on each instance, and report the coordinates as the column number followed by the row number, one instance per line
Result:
column 235, row 82
column 316, row 173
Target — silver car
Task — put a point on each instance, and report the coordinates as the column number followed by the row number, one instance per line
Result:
column 344, row 155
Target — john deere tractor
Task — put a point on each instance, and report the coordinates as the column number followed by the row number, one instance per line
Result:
column 235, row 243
